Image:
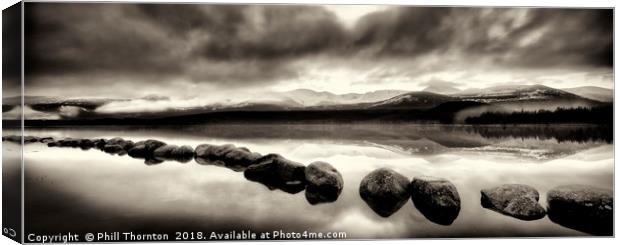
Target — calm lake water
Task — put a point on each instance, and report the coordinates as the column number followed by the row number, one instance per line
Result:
column 69, row 189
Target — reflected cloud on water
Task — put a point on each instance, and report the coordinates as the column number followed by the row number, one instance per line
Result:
column 428, row 142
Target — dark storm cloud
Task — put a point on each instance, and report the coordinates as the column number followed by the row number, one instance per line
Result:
column 565, row 36
column 557, row 37
column 253, row 44
column 232, row 32
column 227, row 42
column 11, row 42
column 76, row 38
column 11, row 50
column 404, row 31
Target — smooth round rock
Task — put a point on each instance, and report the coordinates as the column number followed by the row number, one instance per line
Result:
column 112, row 149
column 436, row 198
column 385, row 191
column 323, row 183
column 584, row 208
column 277, row 172
column 183, row 153
column 519, row 201
column 229, row 156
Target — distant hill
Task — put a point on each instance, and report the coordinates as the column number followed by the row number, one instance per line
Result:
column 527, row 97
column 413, row 100
column 593, row 93
column 307, row 97
column 305, row 104
column 512, row 93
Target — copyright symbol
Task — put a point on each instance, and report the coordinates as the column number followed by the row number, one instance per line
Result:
column 9, row 231
column 89, row 237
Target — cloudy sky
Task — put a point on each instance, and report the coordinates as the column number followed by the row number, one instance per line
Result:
column 131, row 50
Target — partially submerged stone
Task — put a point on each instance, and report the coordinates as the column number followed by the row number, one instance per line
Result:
column 519, row 201
column 138, row 151
column 183, row 153
column 100, row 143
column 173, row 152
column 385, row 191
column 323, row 183
column 583, row 208
column 12, row 138
column 126, row 145
column 436, row 198
column 46, row 140
column 69, row 142
column 229, row 156
column 112, row 149
column 30, row 139
column 116, row 141
column 144, row 149
column 277, row 172
column 164, row 152
column 86, row 144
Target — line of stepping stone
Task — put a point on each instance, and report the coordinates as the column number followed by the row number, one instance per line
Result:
column 580, row 207
column 584, row 208
column 321, row 181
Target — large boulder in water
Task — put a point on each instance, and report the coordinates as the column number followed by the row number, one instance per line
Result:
column 125, row 144
column 86, row 144
column 69, row 142
column 183, row 154
column 100, row 143
column 385, row 191
column 519, row 201
column 323, row 183
column 113, row 149
column 46, row 139
column 164, row 151
column 583, row 208
column 116, row 141
column 64, row 142
column 138, row 151
column 152, row 145
column 229, row 156
column 30, row 139
column 53, row 144
column 144, row 149
column 436, row 198
column 173, row 152
column 277, row 172
column 13, row 138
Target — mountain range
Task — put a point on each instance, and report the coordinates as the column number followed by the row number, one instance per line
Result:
column 384, row 103
column 429, row 97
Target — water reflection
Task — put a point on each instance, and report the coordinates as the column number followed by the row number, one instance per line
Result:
column 227, row 200
column 560, row 133
column 272, row 170
column 533, row 142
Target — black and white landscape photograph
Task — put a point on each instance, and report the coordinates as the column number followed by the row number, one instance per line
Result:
column 208, row 121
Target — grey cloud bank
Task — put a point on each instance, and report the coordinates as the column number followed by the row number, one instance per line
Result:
column 223, row 47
